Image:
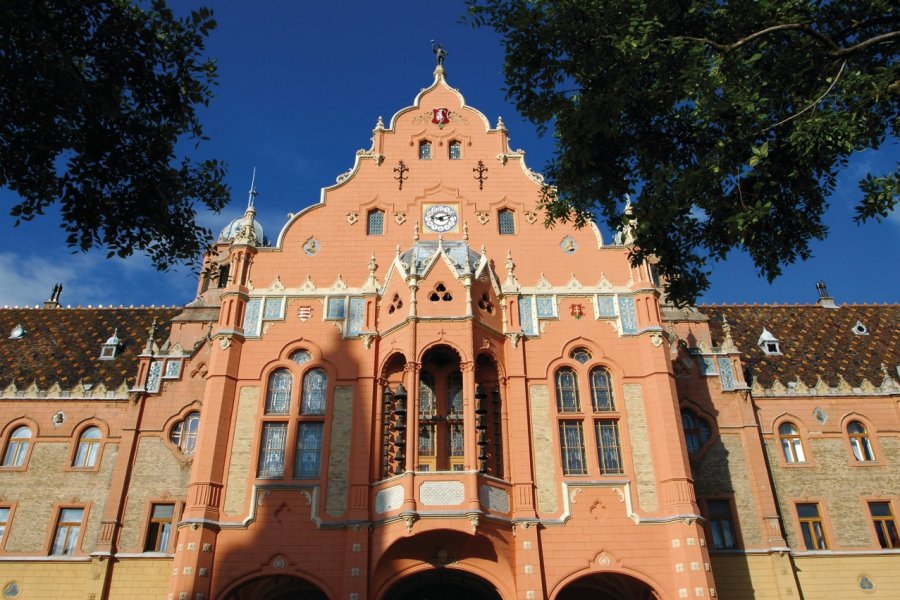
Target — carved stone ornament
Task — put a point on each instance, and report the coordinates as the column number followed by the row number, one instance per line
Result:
column 531, row 216
column 656, row 339
column 367, row 339
column 483, row 216
column 352, row 217
column 400, row 217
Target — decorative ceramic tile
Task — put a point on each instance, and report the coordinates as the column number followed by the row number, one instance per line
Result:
column 494, row 498
column 546, row 307
column 726, row 373
column 607, row 306
column 526, row 316
column 274, row 308
column 336, row 307
column 442, row 493
column 627, row 314
column 251, row 317
column 357, row 320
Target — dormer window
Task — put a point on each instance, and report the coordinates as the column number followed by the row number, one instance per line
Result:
column 424, row 150
column 860, row 329
column 768, row 343
column 455, row 150
column 109, row 349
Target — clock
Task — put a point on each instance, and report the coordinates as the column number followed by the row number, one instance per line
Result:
column 441, row 218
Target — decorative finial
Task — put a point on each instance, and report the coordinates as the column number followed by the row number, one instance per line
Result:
column 466, row 231
column 372, row 264
column 252, row 193
column 500, row 124
column 439, row 53
column 483, row 250
column 510, row 265
column 416, row 232
column 379, row 125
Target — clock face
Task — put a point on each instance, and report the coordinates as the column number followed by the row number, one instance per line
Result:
column 441, row 218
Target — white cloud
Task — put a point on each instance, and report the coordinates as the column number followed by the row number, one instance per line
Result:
column 29, row 281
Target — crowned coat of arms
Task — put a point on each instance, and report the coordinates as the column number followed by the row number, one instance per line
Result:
column 441, row 117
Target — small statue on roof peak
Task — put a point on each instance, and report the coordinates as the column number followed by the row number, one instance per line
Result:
column 439, row 53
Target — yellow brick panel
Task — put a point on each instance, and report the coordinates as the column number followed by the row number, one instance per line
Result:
column 641, row 453
column 544, row 463
column 339, row 455
column 238, row 468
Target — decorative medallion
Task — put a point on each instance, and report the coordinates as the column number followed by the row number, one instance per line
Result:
column 311, row 246
column 352, row 217
column 483, row 216
column 400, row 217
column 568, row 245
column 304, row 312
column 11, row 590
column 866, row 584
column 577, row 310
column 440, row 117
column 531, row 216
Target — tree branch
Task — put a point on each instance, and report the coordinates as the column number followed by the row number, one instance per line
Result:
column 802, row 27
column 884, row 37
column 811, row 106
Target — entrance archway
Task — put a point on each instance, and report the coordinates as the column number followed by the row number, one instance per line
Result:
column 442, row 584
column 607, row 586
column 279, row 587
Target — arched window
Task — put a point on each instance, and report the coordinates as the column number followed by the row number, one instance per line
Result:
column 791, row 444
column 567, row 399
column 455, row 149
column 17, row 447
column 601, row 391
column 88, row 448
column 184, row 433
column 696, row 430
column 424, row 150
column 859, row 442
column 278, row 398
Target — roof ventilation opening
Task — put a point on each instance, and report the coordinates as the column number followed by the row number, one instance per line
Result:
column 825, row 301
column 110, row 348
column 860, row 329
column 18, row 332
column 768, row 343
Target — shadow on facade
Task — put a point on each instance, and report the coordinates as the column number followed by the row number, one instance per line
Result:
column 278, row 587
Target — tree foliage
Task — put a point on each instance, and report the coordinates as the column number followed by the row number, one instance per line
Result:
column 97, row 98
column 726, row 122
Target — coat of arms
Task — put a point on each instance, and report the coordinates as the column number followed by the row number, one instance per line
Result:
column 441, row 117
column 577, row 310
column 304, row 312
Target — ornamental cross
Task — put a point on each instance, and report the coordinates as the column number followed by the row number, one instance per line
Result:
column 481, row 177
column 401, row 172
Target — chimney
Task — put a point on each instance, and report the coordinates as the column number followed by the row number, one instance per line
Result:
column 825, row 301
column 53, row 302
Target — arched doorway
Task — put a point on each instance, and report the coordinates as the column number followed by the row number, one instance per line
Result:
column 442, row 584
column 279, row 587
column 607, row 586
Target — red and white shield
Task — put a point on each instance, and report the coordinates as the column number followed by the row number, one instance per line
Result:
column 577, row 310
column 441, row 116
column 304, row 312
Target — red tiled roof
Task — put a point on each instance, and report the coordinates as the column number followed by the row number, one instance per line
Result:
column 63, row 344
column 814, row 341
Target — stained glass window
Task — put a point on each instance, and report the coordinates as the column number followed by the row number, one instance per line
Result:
column 567, row 399
column 609, row 447
column 271, row 450
column 601, row 391
column 315, row 387
column 571, row 444
column 278, row 398
column 309, row 451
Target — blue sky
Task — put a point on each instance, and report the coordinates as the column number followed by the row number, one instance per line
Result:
column 301, row 85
